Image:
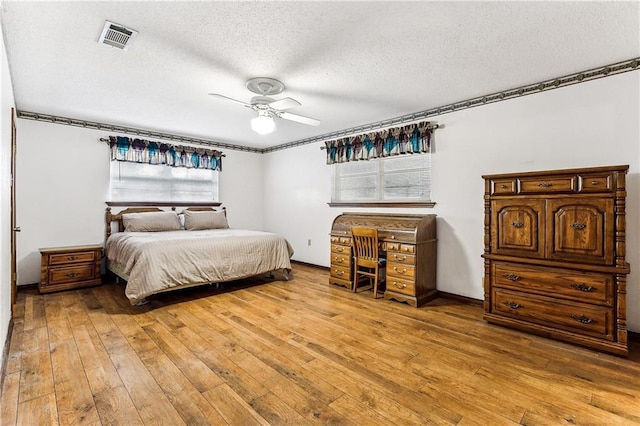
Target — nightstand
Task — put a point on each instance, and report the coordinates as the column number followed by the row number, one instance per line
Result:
column 65, row 268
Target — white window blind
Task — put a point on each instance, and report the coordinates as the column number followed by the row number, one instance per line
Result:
column 152, row 182
column 402, row 178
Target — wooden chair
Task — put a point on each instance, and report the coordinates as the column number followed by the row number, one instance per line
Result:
column 367, row 261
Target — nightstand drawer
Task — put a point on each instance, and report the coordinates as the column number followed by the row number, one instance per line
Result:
column 66, row 258
column 71, row 274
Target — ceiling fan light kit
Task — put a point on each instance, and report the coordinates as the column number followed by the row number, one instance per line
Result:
column 268, row 108
column 263, row 123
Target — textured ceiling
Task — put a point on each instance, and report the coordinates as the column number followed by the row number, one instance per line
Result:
column 348, row 63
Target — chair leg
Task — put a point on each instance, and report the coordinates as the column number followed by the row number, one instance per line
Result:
column 375, row 284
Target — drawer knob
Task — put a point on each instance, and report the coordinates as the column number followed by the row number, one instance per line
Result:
column 513, row 305
column 511, row 277
column 404, row 270
column 399, row 286
column 338, row 259
column 393, row 237
column 72, row 257
column 583, row 287
column 517, row 224
column 72, row 274
column 578, row 226
column 595, row 182
column 503, row 186
column 399, row 257
column 582, row 319
column 545, row 185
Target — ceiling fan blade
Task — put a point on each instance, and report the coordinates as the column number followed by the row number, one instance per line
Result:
column 299, row 118
column 218, row 95
column 285, row 103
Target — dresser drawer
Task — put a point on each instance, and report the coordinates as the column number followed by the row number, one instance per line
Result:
column 336, row 248
column 401, row 248
column 597, row 183
column 586, row 287
column 399, row 285
column 549, row 185
column 403, row 271
column 71, row 274
column 405, row 259
column 575, row 317
column 68, row 258
column 503, row 186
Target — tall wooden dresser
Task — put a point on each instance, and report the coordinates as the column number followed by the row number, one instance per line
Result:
column 410, row 243
column 554, row 255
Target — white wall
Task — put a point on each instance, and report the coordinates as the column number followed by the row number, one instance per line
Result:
column 63, row 183
column 6, row 103
column 589, row 124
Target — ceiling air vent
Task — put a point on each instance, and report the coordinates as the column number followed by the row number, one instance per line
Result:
column 116, row 35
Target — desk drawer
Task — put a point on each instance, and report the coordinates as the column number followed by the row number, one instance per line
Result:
column 403, row 271
column 405, row 259
column 398, row 285
column 345, row 250
column 343, row 273
column 339, row 259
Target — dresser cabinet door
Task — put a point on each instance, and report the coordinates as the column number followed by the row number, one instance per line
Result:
column 580, row 230
column 518, row 229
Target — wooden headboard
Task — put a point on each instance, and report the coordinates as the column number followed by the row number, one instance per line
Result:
column 117, row 217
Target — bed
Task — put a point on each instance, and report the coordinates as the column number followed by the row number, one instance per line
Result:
column 156, row 251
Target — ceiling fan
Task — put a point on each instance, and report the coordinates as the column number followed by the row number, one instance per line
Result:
column 268, row 108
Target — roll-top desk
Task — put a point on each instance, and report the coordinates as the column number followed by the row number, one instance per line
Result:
column 410, row 243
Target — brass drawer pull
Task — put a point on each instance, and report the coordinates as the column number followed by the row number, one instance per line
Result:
column 404, row 270
column 595, row 182
column 583, row 319
column 517, row 224
column 545, row 185
column 72, row 274
column 583, row 287
column 338, row 259
column 72, row 257
column 399, row 257
column 399, row 286
column 503, row 186
column 578, row 226
column 511, row 277
column 513, row 305
column 339, row 273
column 406, row 249
column 340, row 249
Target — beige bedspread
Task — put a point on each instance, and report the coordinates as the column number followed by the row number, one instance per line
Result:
column 155, row 261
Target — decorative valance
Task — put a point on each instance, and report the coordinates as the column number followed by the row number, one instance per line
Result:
column 407, row 139
column 143, row 151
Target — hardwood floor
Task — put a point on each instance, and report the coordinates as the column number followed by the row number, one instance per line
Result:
column 296, row 352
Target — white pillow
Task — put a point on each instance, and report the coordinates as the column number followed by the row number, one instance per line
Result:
column 196, row 220
column 151, row 222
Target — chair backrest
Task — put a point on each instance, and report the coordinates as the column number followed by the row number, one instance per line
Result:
column 365, row 242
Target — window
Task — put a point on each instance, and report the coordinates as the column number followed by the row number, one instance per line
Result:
column 402, row 178
column 160, row 183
